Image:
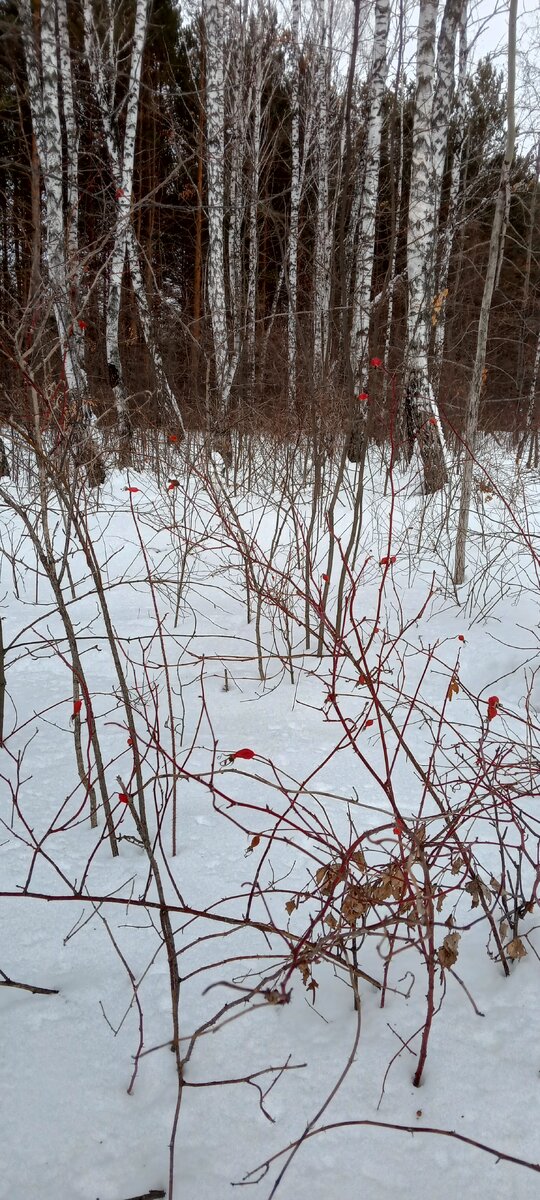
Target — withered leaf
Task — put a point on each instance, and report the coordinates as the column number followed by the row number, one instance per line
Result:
column 447, row 953
column 355, row 904
column 291, row 905
column 453, row 688
column 516, row 949
column 328, row 877
column 476, row 889
column 392, row 884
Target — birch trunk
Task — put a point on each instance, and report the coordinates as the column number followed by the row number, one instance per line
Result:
column 123, row 200
column 397, row 200
column 292, row 253
column 496, row 246
column 44, row 98
column 323, row 232
column 447, row 236
column 361, row 314
column 101, row 59
column 225, row 363
column 344, row 214
column 253, row 249
column 236, row 199
column 197, row 269
column 423, row 422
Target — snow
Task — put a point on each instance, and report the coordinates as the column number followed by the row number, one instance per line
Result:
column 77, row 920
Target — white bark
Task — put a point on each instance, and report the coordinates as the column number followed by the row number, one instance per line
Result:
column 444, row 92
column 225, row 363
column 292, row 253
column 253, row 250
column 236, row 196
column 422, row 413
column 533, row 392
column 397, row 224
column 323, row 229
column 365, row 256
column 43, row 89
column 101, row 59
column 123, row 200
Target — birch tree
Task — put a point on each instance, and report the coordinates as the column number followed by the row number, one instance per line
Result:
column 294, row 211
column 234, row 196
column 61, row 246
column 253, row 238
column 101, row 56
column 225, row 362
column 423, row 422
column 365, row 254
column 323, row 230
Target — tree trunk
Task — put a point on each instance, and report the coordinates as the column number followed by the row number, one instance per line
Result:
column 44, row 98
column 422, row 416
column 224, row 363
column 446, row 239
column 496, row 245
column 197, row 267
column 323, row 231
column 361, row 315
column 253, row 248
column 292, row 252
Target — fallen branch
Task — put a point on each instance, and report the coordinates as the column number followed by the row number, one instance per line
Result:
column 5, row 981
column 153, row 1195
column 262, row 1170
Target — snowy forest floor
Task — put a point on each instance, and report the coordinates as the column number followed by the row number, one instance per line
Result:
column 376, row 837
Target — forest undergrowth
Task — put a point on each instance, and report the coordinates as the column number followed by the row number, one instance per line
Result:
column 255, row 739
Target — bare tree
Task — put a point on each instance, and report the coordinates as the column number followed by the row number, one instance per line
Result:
column 225, row 361
column 423, row 422
column 292, row 252
column 365, row 257
column 496, row 248
column 45, row 94
column 101, row 56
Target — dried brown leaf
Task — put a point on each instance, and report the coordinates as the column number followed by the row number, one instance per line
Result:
column 516, row 949
column 476, row 889
column 355, row 904
column 328, row 877
column 447, row 953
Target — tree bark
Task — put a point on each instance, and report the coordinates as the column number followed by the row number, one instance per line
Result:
column 361, row 316
column 496, row 245
column 225, row 363
column 422, row 416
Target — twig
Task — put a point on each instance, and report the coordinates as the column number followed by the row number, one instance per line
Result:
column 262, row 1170
column 5, row 981
column 155, row 1194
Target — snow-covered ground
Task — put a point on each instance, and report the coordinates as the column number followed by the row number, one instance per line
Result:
column 381, row 740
